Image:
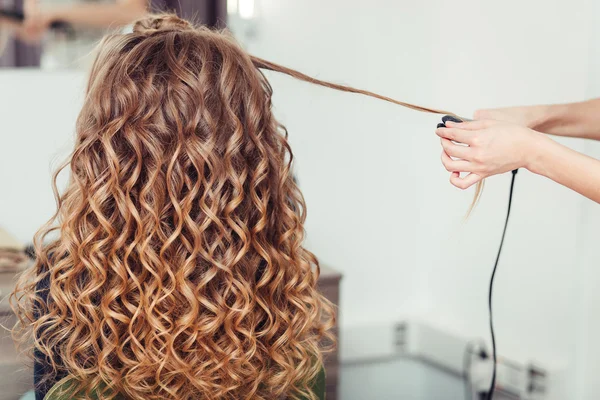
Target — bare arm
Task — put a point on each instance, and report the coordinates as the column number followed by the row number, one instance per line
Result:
column 103, row 15
column 498, row 147
column 580, row 120
column 566, row 167
column 100, row 15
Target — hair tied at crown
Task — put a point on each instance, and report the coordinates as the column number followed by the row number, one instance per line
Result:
column 161, row 23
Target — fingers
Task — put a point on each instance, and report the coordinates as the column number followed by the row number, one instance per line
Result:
column 464, row 182
column 454, row 130
column 471, row 125
column 455, row 134
column 455, row 165
column 455, row 150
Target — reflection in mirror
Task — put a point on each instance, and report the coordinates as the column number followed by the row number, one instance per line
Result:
column 61, row 34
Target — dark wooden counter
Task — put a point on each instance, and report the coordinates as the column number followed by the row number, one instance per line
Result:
column 329, row 285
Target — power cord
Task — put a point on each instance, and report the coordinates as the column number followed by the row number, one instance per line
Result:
column 510, row 196
column 490, row 393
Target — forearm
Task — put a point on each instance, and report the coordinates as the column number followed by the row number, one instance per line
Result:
column 99, row 15
column 573, row 120
column 566, row 167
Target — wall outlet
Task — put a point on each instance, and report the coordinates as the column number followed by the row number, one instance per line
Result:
column 401, row 337
column 515, row 379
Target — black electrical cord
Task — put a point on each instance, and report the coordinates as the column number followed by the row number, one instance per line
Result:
column 510, row 196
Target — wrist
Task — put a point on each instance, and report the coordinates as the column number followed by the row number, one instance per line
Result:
column 537, row 148
column 545, row 118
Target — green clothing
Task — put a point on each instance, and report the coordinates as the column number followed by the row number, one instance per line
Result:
column 61, row 391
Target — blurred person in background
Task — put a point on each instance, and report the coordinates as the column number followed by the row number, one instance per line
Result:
column 90, row 20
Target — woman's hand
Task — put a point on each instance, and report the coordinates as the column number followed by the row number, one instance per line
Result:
column 35, row 28
column 484, row 148
column 524, row 116
column 36, row 24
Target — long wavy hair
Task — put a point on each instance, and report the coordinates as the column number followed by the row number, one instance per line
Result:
column 177, row 268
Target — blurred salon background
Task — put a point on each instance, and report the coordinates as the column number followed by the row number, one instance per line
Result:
column 409, row 274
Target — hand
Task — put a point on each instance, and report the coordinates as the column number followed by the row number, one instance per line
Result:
column 36, row 23
column 483, row 148
column 529, row 116
column 35, row 27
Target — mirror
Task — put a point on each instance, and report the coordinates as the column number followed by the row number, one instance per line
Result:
column 61, row 34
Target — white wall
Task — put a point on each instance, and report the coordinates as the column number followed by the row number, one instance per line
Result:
column 380, row 208
column 588, row 328
column 37, row 125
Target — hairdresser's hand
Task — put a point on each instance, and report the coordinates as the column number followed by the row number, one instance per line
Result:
column 529, row 116
column 34, row 28
column 492, row 148
column 37, row 22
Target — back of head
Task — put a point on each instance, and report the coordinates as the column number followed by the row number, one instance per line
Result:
column 179, row 272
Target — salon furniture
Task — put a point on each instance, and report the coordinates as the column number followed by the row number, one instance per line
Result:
column 329, row 286
column 15, row 376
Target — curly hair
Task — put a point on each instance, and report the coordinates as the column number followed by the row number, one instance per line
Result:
column 176, row 268
column 179, row 270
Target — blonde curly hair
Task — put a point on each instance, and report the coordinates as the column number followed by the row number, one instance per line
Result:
column 178, row 271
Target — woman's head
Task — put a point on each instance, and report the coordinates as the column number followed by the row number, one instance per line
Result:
column 179, row 271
